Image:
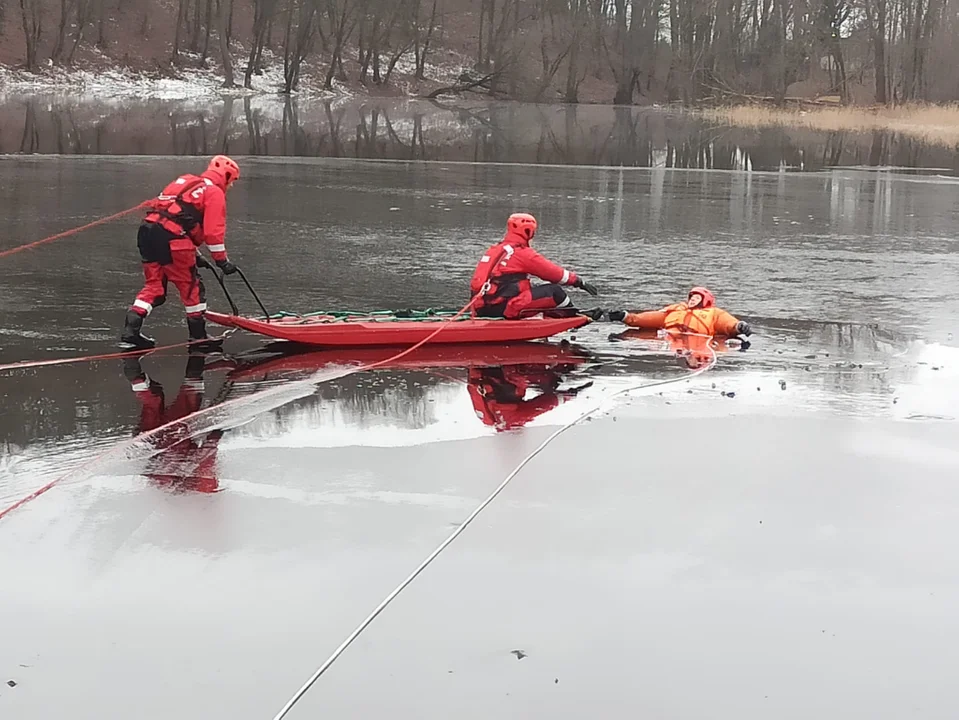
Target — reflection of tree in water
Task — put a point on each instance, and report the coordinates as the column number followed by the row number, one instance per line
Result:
column 848, row 361
column 366, row 397
column 493, row 132
column 851, row 339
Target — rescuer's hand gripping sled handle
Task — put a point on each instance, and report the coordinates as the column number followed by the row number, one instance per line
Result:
column 204, row 263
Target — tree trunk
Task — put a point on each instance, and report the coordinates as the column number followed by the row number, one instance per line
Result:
column 572, row 68
column 422, row 50
column 879, row 47
column 248, row 74
column 480, row 60
column 259, row 35
column 672, row 92
column 197, row 27
column 66, row 9
column 206, row 33
column 225, row 46
column 83, row 16
column 178, row 35
column 32, row 19
column 101, row 24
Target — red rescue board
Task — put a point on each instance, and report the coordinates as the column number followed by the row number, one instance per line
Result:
column 320, row 331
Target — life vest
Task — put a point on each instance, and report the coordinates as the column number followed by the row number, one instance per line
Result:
column 683, row 319
column 495, row 287
column 182, row 217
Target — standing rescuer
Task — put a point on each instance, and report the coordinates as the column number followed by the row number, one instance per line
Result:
column 189, row 212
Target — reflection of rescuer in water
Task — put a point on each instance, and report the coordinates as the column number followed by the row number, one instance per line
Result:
column 499, row 393
column 183, row 463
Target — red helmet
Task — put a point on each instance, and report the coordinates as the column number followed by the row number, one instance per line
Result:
column 224, row 168
column 521, row 224
column 708, row 299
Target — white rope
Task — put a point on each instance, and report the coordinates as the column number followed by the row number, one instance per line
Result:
column 456, row 533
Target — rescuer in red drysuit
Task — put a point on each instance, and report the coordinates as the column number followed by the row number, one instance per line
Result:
column 183, row 463
column 499, row 394
column 189, row 212
column 506, row 268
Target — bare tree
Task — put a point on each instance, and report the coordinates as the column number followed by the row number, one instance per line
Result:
column 556, row 41
column 208, row 23
column 341, row 18
column 84, row 17
column 101, row 12
column 263, row 12
column 422, row 39
column 75, row 15
column 31, row 15
column 876, row 16
column 298, row 40
column 226, row 58
column 182, row 7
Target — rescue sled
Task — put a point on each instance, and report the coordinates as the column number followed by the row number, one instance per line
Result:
column 397, row 328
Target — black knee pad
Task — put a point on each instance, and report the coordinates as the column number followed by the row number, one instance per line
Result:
column 559, row 295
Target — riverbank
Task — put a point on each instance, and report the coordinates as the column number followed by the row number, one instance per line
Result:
column 933, row 124
column 98, row 80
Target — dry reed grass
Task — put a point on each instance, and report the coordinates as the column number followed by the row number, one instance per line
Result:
column 934, row 124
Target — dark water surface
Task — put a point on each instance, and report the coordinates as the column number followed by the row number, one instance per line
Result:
column 764, row 539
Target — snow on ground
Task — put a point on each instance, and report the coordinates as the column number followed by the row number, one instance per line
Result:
column 201, row 82
column 195, row 83
column 195, row 96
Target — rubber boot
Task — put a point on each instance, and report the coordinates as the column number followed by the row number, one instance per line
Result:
column 563, row 312
column 195, row 367
column 131, row 337
column 197, row 327
column 133, row 370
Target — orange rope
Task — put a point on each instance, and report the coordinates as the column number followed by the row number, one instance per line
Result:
column 74, row 231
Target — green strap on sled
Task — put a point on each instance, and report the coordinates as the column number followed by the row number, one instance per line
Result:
column 376, row 315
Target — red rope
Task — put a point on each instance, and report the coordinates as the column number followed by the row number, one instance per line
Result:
column 362, row 368
column 74, row 231
column 26, row 364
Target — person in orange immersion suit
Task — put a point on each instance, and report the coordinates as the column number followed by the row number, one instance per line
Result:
column 183, row 463
column 698, row 315
column 689, row 326
column 499, row 393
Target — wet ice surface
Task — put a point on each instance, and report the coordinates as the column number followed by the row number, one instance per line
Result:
column 765, row 538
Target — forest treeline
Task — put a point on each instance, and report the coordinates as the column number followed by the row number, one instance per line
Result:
column 621, row 51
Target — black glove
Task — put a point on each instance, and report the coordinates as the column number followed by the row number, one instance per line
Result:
column 588, row 287
column 574, row 391
column 226, row 266
column 202, row 262
column 742, row 328
column 617, row 315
